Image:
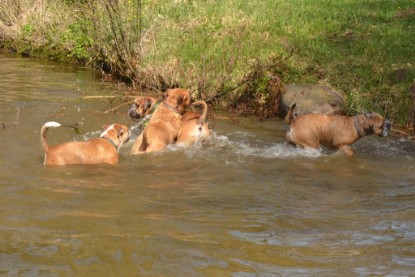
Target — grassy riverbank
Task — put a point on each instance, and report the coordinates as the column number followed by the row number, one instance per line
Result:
column 232, row 50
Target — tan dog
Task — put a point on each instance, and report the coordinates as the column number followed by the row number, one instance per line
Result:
column 194, row 128
column 95, row 151
column 340, row 131
column 142, row 106
column 165, row 123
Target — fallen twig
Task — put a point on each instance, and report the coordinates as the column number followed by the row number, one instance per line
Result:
column 123, row 104
column 98, row 97
column 400, row 132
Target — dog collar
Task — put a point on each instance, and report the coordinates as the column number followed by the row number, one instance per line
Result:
column 171, row 108
column 155, row 106
column 359, row 133
column 111, row 141
column 146, row 119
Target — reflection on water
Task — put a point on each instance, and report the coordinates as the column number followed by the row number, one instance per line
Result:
column 246, row 204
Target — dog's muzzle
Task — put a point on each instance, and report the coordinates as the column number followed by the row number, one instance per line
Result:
column 133, row 113
column 386, row 128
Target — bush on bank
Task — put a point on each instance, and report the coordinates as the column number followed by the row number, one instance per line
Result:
column 241, row 52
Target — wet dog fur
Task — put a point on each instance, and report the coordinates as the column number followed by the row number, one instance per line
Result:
column 193, row 125
column 165, row 123
column 339, row 131
column 194, row 128
column 142, row 106
column 94, row 151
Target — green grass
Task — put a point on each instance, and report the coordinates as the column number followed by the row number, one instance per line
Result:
column 364, row 49
column 354, row 46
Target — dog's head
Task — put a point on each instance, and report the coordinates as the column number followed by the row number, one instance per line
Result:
column 118, row 131
column 374, row 123
column 178, row 98
column 141, row 107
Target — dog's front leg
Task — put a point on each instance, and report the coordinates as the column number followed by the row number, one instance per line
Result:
column 347, row 149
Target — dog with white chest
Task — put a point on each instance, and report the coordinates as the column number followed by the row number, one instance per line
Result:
column 95, row 151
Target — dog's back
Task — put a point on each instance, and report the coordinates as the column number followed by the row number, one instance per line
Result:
column 165, row 123
column 85, row 152
column 94, row 151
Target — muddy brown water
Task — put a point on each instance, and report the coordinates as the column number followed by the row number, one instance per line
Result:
column 246, row 204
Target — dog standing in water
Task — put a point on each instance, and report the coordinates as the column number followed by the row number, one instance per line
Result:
column 193, row 125
column 94, row 151
column 194, row 128
column 339, row 131
column 165, row 123
column 143, row 106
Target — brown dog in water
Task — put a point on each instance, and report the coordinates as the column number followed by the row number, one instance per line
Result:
column 194, row 128
column 95, row 151
column 165, row 122
column 143, row 106
column 193, row 125
column 340, row 131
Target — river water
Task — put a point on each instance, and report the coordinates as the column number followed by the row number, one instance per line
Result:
column 246, row 204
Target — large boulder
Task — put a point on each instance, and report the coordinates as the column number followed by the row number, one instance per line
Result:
column 312, row 98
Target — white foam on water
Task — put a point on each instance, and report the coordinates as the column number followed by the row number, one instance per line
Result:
column 264, row 150
column 244, row 148
column 279, row 150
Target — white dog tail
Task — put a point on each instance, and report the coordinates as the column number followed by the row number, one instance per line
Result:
column 43, row 131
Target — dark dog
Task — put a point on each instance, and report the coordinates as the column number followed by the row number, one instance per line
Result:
column 339, row 131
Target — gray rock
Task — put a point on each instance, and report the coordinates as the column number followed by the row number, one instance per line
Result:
column 312, row 98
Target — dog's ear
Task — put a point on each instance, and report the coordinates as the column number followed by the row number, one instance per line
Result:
column 183, row 102
column 104, row 127
column 180, row 100
column 147, row 105
column 120, row 132
column 165, row 95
